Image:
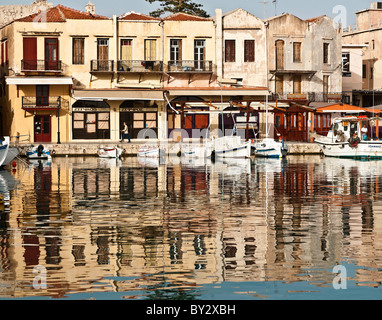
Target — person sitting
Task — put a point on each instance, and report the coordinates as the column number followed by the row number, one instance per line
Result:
column 364, row 132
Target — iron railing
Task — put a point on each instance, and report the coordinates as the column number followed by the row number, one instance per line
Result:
column 310, row 96
column 102, row 65
column 140, row 66
column 44, row 102
column 41, row 66
column 189, row 66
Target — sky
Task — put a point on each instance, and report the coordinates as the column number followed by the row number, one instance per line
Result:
column 303, row 9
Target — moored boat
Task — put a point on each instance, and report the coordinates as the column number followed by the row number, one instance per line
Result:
column 150, row 151
column 39, row 153
column 110, row 152
column 270, row 148
column 4, row 148
column 232, row 147
column 352, row 137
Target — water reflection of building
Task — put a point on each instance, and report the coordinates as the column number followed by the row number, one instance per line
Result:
column 133, row 228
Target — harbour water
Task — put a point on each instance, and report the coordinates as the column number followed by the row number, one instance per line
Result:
column 136, row 229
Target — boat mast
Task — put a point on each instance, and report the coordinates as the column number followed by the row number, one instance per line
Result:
column 266, row 116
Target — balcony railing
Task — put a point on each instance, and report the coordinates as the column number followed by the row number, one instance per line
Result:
column 102, row 65
column 189, row 66
column 41, row 66
column 310, row 96
column 47, row 103
column 140, row 66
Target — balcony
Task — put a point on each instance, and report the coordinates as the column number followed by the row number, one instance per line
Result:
column 41, row 103
column 308, row 96
column 138, row 66
column 41, row 66
column 102, row 66
column 190, row 66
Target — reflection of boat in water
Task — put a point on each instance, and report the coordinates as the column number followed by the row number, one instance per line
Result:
column 7, row 183
column 110, row 152
column 151, row 162
column 346, row 138
column 233, row 167
column 110, row 162
column 195, row 162
column 39, row 152
column 231, row 147
column 4, row 148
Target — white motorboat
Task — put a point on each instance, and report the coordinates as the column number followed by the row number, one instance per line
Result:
column 232, row 147
column 13, row 153
column 270, row 148
column 39, row 153
column 150, row 151
column 347, row 138
column 195, row 150
column 4, row 148
column 110, row 152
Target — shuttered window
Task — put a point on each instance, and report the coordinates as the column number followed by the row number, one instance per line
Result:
column 249, row 50
column 230, row 50
column 150, row 50
column 326, row 52
column 78, row 51
column 297, row 52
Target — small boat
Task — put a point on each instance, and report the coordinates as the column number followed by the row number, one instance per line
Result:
column 13, row 153
column 150, row 151
column 110, row 152
column 4, row 148
column 194, row 150
column 232, row 147
column 270, row 148
column 39, row 153
column 352, row 137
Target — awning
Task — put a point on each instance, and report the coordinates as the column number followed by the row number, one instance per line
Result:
column 118, row 94
column 344, row 108
column 219, row 92
column 39, row 81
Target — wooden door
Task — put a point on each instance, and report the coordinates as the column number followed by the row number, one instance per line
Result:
column 30, row 53
column 126, row 50
column 280, row 54
column 280, row 85
column 297, row 84
column 51, row 54
column 42, row 128
column 150, row 50
column 325, row 88
column 103, row 54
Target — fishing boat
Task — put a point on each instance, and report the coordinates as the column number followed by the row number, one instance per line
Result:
column 352, row 137
column 194, row 150
column 110, row 152
column 150, row 151
column 39, row 153
column 270, row 148
column 4, row 148
column 232, row 147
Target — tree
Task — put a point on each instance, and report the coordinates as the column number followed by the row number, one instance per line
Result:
column 175, row 6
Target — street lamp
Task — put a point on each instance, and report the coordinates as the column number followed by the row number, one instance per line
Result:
column 58, row 119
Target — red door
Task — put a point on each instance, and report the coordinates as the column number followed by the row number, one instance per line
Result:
column 30, row 53
column 51, row 54
column 42, row 128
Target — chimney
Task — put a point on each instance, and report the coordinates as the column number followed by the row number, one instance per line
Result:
column 90, row 8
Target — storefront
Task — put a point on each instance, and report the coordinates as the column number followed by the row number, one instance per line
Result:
column 141, row 118
column 91, row 120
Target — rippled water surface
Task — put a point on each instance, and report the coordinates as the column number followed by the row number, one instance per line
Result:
column 82, row 228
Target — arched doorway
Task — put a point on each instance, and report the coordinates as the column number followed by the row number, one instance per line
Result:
column 139, row 115
column 91, row 120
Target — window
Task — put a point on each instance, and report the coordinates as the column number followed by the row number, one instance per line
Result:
column 297, row 52
column 230, row 51
column 150, row 50
column 346, row 62
column 249, row 50
column 78, row 50
column 326, row 53
column 364, row 71
column 126, row 49
column 175, row 50
column 42, row 95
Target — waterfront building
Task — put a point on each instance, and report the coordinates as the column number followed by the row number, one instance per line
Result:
column 368, row 33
